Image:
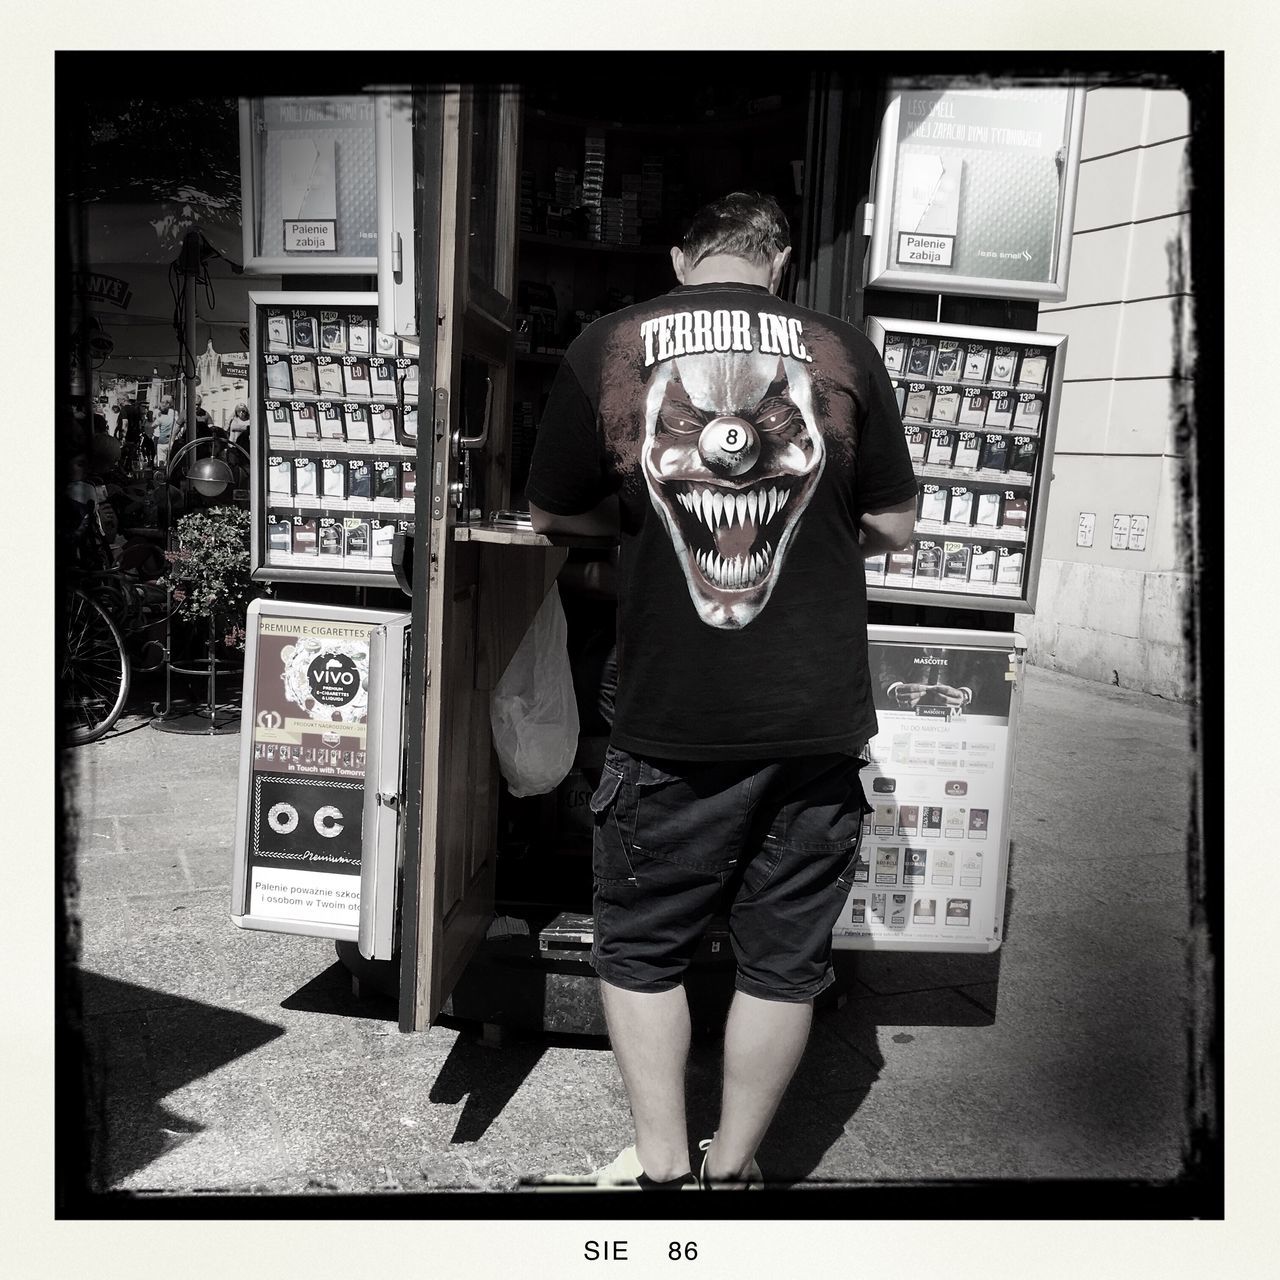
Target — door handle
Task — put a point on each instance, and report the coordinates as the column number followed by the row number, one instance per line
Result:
column 460, row 441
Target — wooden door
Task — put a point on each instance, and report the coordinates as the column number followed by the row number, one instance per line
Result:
column 471, row 602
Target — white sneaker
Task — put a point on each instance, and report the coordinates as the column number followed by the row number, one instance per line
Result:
column 622, row 1173
column 754, row 1180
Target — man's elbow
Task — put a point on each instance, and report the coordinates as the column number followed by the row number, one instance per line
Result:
column 542, row 521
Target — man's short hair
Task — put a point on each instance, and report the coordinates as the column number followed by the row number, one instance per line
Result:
column 745, row 224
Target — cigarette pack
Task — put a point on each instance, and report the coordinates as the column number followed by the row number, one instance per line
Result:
column 897, row 911
column 1009, row 567
column 355, row 419
column 359, row 479
column 895, row 352
column 333, row 333
column 971, row 867
column 305, row 536
column 978, row 823
column 887, row 864
column 913, row 865
column 1022, row 457
column 947, row 364
column 955, row 562
column 973, row 407
column 944, row 866
column 279, row 532
column 328, row 376
column 1000, row 410
column 861, row 867
column 942, row 447
column 304, row 332
column 886, row 819
column 919, row 398
column 333, row 478
column 279, row 423
column 330, row 537
column 386, row 479
column 873, row 567
column 329, row 416
column 278, row 379
column 931, row 821
column 968, row 449
column 355, row 533
column 960, row 504
column 384, row 343
column 983, row 568
column 916, row 441
column 995, row 453
column 900, row 568
column 409, row 423
column 277, row 331
column 382, row 379
column 382, row 421
column 976, row 359
column 382, row 532
column 958, row 911
column 359, row 334
column 920, row 357
column 858, row 911
column 908, row 819
column 304, row 476
column 408, row 479
column 1014, row 515
column 946, row 403
column 924, row 910
column 987, row 514
column 954, row 822
column 1027, row 413
column 306, row 422
column 407, row 371
column 933, row 503
column 279, row 477
column 1034, row 367
column 355, row 377
column 1002, row 364
column 303, row 371
column 928, row 562
column 878, row 907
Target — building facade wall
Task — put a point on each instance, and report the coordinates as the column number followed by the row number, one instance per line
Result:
column 1108, row 612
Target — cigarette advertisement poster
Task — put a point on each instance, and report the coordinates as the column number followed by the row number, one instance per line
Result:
column 930, row 870
column 309, row 712
column 974, row 185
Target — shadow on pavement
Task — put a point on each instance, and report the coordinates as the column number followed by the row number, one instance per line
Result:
column 141, row 1045
column 331, row 992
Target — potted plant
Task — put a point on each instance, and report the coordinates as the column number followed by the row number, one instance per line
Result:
column 209, row 573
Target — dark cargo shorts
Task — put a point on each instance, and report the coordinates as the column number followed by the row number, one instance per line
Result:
column 771, row 844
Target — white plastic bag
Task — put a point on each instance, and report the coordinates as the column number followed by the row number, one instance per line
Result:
column 533, row 710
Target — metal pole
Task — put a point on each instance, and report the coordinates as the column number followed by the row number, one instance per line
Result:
column 190, row 270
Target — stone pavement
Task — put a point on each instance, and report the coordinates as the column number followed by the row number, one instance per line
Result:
column 228, row 1060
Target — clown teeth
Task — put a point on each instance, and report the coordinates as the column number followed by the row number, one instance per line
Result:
column 715, row 507
column 737, row 573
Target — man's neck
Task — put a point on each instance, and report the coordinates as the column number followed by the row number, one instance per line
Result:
column 726, row 268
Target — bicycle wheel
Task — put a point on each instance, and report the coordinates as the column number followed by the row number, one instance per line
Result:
column 95, row 671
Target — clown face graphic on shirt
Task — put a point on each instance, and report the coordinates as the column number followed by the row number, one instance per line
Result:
column 731, row 457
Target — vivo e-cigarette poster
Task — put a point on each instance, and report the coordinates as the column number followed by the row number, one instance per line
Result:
column 310, row 713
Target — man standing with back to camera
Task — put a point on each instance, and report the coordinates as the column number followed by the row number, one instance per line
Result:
column 750, row 453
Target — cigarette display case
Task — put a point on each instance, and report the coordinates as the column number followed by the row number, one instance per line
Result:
column 980, row 411
column 334, row 446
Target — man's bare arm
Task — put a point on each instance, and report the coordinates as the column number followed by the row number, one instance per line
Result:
column 887, row 530
column 599, row 522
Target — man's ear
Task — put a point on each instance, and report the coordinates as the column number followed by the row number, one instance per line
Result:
column 677, row 262
column 777, row 266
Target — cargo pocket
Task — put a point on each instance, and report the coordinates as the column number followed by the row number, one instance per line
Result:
column 845, row 881
column 610, row 863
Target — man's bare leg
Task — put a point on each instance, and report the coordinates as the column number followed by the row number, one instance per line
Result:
column 763, row 1044
column 649, row 1032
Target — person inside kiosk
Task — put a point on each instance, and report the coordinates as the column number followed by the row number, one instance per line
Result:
column 749, row 453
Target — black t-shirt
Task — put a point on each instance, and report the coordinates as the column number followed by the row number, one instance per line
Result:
column 745, row 437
